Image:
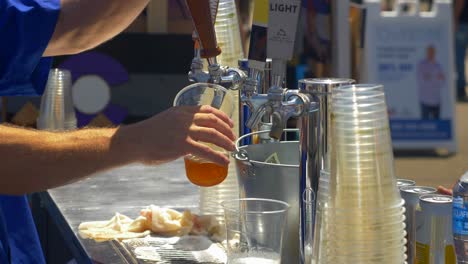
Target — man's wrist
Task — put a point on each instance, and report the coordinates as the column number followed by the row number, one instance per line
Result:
column 123, row 145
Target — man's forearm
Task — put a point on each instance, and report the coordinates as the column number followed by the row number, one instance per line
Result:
column 37, row 160
column 84, row 24
column 34, row 160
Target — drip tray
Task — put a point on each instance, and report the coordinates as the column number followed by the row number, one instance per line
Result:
column 173, row 250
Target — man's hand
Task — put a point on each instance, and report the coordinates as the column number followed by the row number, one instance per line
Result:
column 443, row 190
column 177, row 132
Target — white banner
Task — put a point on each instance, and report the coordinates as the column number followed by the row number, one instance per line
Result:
column 412, row 55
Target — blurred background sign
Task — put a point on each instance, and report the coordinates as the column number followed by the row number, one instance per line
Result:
column 410, row 51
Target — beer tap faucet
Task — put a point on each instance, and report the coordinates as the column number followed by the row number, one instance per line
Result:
column 250, row 95
column 263, row 105
column 207, row 48
column 281, row 108
column 196, row 73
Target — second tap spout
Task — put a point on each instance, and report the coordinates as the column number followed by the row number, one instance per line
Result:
column 259, row 106
column 296, row 106
column 234, row 78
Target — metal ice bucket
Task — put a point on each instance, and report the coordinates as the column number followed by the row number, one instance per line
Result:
column 258, row 179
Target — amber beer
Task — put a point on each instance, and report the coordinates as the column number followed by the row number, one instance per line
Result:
column 204, row 173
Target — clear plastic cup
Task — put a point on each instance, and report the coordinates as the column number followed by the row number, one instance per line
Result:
column 377, row 259
column 200, row 171
column 359, row 89
column 372, row 245
column 375, row 248
column 381, row 250
column 228, row 33
column 339, row 201
column 367, row 236
column 361, row 225
column 371, row 207
column 357, row 237
column 254, row 229
column 353, row 246
column 376, row 215
column 361, row 129
column 346, row 108
column 359, row 184
column 348, row 134
column 367, row 222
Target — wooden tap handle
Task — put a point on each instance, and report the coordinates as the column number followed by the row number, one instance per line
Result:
column 203, row 21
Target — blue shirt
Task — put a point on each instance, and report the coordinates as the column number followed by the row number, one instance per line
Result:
column 20, row 231
column 26, row 27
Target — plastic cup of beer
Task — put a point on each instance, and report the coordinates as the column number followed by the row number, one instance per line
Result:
column 200, row 171
column 254, row 229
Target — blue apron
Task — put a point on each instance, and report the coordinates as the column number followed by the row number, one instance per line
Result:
column 26, row 27
column 4, row 244
column 23, row 241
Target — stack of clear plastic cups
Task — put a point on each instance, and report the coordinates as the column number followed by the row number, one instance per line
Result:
column 57, row 111
column 228, row 33
column 363, row 215
column 229, row 40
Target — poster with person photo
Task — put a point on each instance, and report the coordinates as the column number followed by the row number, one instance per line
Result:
column 411, row 54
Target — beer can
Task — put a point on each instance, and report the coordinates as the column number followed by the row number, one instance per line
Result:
column 405, row 182
column 434, row 240
column 411, row 196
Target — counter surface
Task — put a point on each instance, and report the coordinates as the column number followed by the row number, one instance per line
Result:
column 125, row 190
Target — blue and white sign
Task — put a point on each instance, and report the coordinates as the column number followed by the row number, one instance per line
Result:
column 411, row 54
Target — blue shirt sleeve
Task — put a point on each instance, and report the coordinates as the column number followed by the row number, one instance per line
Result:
column 26, row 27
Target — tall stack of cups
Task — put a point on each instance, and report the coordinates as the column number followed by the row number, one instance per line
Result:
column 363, row 213
column 229, row 40
column 228, row 33
column 57, row 111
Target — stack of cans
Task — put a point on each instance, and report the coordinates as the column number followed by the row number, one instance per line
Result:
column 363, row 213
column 428, row 224
column 411, row 196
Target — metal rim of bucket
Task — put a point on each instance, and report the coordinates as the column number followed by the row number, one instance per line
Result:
column 240, row 153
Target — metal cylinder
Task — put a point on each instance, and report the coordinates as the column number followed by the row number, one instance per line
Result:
column 315, row 142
